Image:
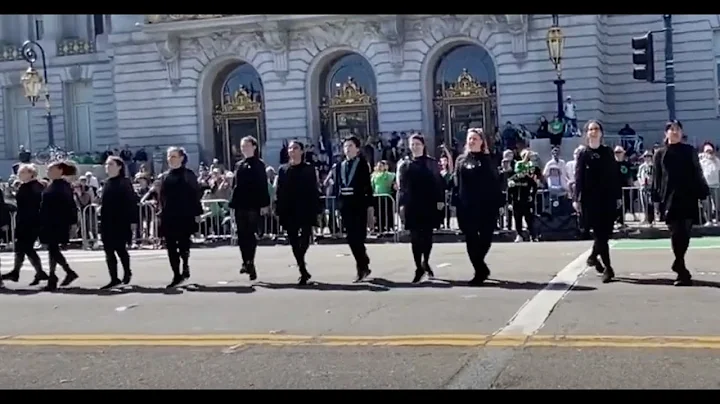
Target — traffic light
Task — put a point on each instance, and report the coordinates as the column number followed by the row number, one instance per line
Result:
column 643, row 58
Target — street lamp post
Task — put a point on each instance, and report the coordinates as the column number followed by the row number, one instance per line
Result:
column 555, row 43
column 33, row 84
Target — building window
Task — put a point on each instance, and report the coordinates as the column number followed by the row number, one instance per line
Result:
column 38, row 27
column 99, row 24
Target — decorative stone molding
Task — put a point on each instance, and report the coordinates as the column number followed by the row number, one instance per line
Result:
column 225, row 43
column 277, row 40
column 169, row 51
column 392, row 31
column 517, row 26
column 75, row 73
column 329, row 34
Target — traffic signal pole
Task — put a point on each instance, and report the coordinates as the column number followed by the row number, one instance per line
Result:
column 669, row 67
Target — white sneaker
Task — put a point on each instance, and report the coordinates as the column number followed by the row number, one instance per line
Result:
column 518, row 239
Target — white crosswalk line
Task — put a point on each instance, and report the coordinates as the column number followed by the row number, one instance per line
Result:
column 80, row 256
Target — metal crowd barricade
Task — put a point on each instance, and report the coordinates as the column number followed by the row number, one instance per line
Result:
column 710, row 208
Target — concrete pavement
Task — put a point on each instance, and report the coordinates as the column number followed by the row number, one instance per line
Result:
column 544, row 321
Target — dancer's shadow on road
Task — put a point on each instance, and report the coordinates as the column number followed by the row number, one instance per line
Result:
column 19, row 292
column 124, row 290
column 439, row 283
column 240, row 289
column 352, row 287
column 666, row 282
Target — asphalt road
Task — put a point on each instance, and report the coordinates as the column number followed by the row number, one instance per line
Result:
column 544, row 321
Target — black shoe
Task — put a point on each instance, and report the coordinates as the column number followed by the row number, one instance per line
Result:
column 51, row 284
column 304, row 278
column 594, row 262
column 243, row 269
column 127, row 277
column 176, row 281
column 683, row 281
column 419, row 274
column 12, row 276
column 39, row 277
column 362, row 274
column 252, row 273
column 428, row 270
column 479, row 279
column 186, row 273
column 112, row 284
column 69, row 278
column 608, row 275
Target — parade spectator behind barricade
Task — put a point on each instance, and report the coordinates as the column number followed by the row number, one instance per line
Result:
column 644, row 179
column 543, row 130
column 506, row 171
column 521, row 193
column 384, row 189
column 88, row 219
column 710, row 165
column 570, row 112
column 555, row 179
column 447, row 168
column 626, row 179
column 92, row 183
column 127, row 156
column 556, row 162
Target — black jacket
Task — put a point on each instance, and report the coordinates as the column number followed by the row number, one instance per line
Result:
column 250, row 185
column 27, row 218
column 598, row 185
column 58, row 213
column 523, row 191
column 421, row 189
column 362, row 197
column 478, row 194
column 118, row 209
column 678, row 182
column 297, row 195
column 179, row 202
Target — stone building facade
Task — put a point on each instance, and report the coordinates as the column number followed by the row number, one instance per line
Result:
column 203, row 81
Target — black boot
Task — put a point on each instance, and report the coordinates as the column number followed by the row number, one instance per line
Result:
column 39, row 277
column 52, row 283
column 186, row 270
column 428, row 270
column 127, row 277
column 683, row 275
column 304, row 275
column 594, row 262
column 252, row 271
column 481, row 275
column 70, row 277
column 419, row 274
column 362, row 273
column 176, row 280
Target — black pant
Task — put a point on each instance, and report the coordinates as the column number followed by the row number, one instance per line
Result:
column 355, row 222
column 299, row 238
column 521, row 212
column 680, row 241
column 478, row 242
column 56, row 258
column 421, row 242
column 112, row 249
column 601, row 225
column 178, row 248
column 24, row 247
column 248, row 222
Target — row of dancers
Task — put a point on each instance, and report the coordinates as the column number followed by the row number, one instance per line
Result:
column 49, row 212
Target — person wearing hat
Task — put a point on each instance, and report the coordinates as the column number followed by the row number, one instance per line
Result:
column 644, row 178
column 678, row 185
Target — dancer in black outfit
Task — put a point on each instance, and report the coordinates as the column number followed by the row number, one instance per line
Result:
column 58, row 214
column 478, row 199
column 119, row 214
column 354, row 194
column 421, row 199
column 678, row 186
column 27, row 224
column 250, row 199
column 298, row 203
column 179, row 212
column 598, row 196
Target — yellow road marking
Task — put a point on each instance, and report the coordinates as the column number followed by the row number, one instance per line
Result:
column 468, row 340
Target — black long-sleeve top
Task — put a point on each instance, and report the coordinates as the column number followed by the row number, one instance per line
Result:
column 297, row 195
column 27, row 218
column 597, row 179
column 678, row 182
column 478, row 194
column 58, row 212
column 362, row 196
column 523, row 190
column 119, row 204
column 421, row 183
column 179, row 196
column 250, row 185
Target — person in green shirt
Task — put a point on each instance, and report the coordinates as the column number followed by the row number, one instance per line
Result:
column 383, row 183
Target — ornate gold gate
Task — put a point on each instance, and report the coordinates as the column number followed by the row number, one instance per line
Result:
column 464, row 104
column 240, row 114
column 349, row 111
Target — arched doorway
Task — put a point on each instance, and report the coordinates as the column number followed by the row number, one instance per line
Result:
column 347, row 101
column 237, row 96
column 465, row 95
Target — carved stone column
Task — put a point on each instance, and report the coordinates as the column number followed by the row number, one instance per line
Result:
column 169, row 51
column 277, row 39
column 392, row 31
